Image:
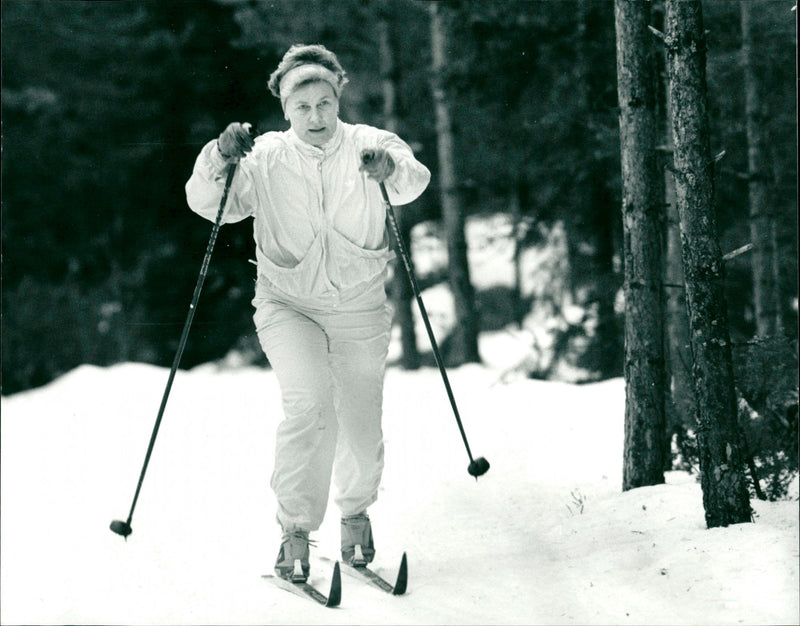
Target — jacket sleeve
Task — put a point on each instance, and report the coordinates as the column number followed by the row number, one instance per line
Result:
column 410, row 177
column 204, row 188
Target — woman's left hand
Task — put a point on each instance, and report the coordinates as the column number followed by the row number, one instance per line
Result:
column 377, row 164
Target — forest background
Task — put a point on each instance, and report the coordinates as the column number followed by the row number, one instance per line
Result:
column 105, row 106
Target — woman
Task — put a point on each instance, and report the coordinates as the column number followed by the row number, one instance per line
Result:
column 321, row 311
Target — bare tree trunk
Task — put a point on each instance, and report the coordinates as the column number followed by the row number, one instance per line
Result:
column 401, row 287
column 776, row 274
column 463, row 347
column 595, row 218
column 680, row 356
column 762, row 228
column 520, row 205
column 642, row 219
column 722, row 462
column 682, row 406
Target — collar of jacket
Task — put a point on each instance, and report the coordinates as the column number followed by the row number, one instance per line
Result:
column 323, row 151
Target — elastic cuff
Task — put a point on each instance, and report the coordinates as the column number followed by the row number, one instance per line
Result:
column 359, row 516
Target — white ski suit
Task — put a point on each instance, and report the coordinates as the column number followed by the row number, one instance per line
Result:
column 322, row 314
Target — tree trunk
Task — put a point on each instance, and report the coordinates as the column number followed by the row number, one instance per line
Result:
column 681, row 406
column 641, row 210
column 463, row 347
column 519, row 206
column 402, row 293
column 680, row 356
column 762, row 229
column 594, row 283
column 722, row 462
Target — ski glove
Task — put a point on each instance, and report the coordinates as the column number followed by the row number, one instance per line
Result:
column 377, row 164
column 235, row 141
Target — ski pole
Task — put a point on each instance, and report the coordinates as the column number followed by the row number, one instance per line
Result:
column 118, row 526
column 477, row 467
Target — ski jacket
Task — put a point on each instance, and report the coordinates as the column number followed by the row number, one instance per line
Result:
column 319, row 223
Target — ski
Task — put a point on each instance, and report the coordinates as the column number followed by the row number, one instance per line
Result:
column 309, row 591
column 375, row 579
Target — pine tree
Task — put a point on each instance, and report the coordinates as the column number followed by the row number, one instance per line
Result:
column 642, row 219
column 762, row 222
column 722, row 463
column 463, row 347
column 402, row 292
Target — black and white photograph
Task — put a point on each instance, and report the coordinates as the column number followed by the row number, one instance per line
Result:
column 423, row 312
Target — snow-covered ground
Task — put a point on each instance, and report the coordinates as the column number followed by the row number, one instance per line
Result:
column 545, row 537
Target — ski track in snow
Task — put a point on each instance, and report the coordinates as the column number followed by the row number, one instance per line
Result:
column 545, row 537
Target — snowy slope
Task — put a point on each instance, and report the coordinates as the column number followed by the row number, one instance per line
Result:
column 545, row 537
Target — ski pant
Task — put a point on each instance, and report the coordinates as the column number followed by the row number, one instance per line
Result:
column 330, row 363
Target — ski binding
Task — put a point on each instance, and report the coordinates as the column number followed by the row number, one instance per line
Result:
column 306, row 590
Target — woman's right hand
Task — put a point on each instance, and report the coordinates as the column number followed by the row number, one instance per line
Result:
column 235, row 141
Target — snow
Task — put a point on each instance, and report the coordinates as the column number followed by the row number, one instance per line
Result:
column 545, row 537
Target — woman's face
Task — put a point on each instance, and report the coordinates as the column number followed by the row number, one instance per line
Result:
column 312, row 110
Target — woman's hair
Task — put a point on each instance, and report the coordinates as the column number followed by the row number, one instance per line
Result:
column 300, row 54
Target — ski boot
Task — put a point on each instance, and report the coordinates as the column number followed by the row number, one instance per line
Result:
column 358, row 548
column 292, row 563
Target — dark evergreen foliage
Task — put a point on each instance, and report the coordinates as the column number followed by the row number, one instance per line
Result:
column 106, row 104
